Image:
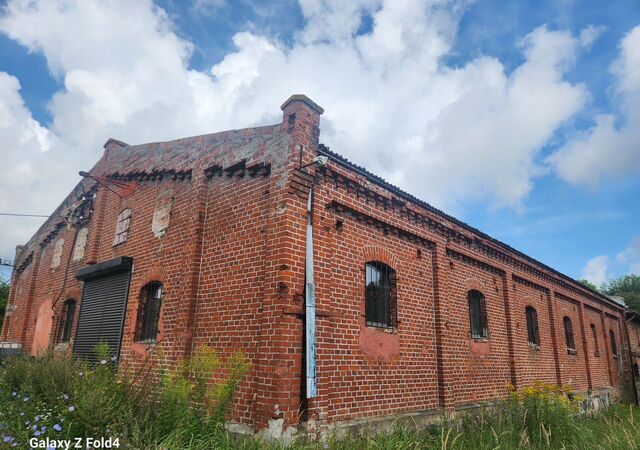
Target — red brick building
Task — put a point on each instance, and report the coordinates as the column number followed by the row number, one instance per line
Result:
column 203, row 241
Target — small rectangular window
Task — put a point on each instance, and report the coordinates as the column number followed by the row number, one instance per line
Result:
column 380, row 295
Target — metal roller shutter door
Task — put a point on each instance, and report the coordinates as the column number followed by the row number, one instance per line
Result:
column 102, row 311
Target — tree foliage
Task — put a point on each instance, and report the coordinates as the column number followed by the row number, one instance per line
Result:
column 627, row 287
column 588, row 284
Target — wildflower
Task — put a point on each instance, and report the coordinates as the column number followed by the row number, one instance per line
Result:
column 26, row 399
column 65, row 396
column 103, row 362
column 14, row 393
column 21, row 414
column 37, row 418
column 57, row 427
column 81, row 374
column 37, row 433
column 113, row 358
column 72, row 408
column 7, row 439
column 26, row 422
column 43, row 429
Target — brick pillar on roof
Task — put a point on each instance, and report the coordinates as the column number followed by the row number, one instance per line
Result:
column 280, row 364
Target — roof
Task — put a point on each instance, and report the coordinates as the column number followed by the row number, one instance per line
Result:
column 324, row 150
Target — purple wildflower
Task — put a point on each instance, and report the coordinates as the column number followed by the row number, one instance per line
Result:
column 14, row 393
column 72, row 408
column 65, row 396
column 57, row 427
column 37, row 433
column 26, row 399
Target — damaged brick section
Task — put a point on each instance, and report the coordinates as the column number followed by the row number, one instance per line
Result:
column 219, row 222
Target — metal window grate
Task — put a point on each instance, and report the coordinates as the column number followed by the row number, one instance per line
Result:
column 380, row 295
column 533, row 332
column 568, row 333
column 478, row 315
column 149, row 312
column 68, row 313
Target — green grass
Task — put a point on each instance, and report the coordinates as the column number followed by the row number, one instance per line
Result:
column 60, row 398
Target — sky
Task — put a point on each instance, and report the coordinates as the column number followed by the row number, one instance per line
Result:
column 520, row 118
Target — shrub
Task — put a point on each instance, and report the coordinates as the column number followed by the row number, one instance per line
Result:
column 58, row 397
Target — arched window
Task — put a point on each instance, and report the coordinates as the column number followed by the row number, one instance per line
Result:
column 532, row 325
column 380, row 295
column 636, row 370
column 596, row 347
column 478, row 315
column 614, row 346
column 66, row 320
column 149, row 312
column 568, row 334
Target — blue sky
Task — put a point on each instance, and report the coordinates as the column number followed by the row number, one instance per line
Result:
column 520, row 118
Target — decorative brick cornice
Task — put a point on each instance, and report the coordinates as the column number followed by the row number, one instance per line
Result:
column 435, row 224
column 153, row 175
column 385, row 227
column 531, row 284
column 474, row 262
column 239, row 169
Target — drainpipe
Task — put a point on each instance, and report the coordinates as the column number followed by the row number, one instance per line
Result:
column 310, row 290
column 310, row 303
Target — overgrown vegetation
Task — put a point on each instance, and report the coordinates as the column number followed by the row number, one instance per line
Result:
column 59, row 398
column 627, row 287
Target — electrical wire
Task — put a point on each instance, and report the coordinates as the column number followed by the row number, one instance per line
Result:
column 21, row 215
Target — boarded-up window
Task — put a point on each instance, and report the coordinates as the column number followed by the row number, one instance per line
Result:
column 81, row 243
column 478, row 315
column 533, row 332
column 568, row 333
column 122, row 227
column 380, row 295
column 162, row 213
column 57, row 253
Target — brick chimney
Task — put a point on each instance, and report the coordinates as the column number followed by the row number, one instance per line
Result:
column 301, row 119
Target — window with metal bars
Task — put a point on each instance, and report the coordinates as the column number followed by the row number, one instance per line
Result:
column 66, row 323
column 614, row 346
column 533, row 332
column 478, row 315
column 380, row 295
column 568, row 334
column 596, row 346
column 149, row 312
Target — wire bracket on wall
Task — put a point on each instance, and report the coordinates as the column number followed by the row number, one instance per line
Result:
column 122, row 189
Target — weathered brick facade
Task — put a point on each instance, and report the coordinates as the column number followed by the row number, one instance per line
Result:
column 220, row 221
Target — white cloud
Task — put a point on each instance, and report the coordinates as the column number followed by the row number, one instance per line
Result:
column 590, row 34
column 596, row 270
column 611, row 148
column 446, row 134
column 630, row 256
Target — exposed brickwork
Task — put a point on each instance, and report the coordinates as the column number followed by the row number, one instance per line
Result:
column 220, row 221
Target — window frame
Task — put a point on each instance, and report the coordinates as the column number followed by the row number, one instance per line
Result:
column 149, row 311
column 613, row 344
column 533, row 329
column 569, row 336
column 67, row 317
column 478, row 319
column 380, row 302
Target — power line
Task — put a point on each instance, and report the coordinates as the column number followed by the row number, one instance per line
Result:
column 22, row 215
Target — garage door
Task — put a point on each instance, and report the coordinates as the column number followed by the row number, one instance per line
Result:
column 103, row 306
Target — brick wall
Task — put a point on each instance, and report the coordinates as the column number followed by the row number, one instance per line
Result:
column 232, row 262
